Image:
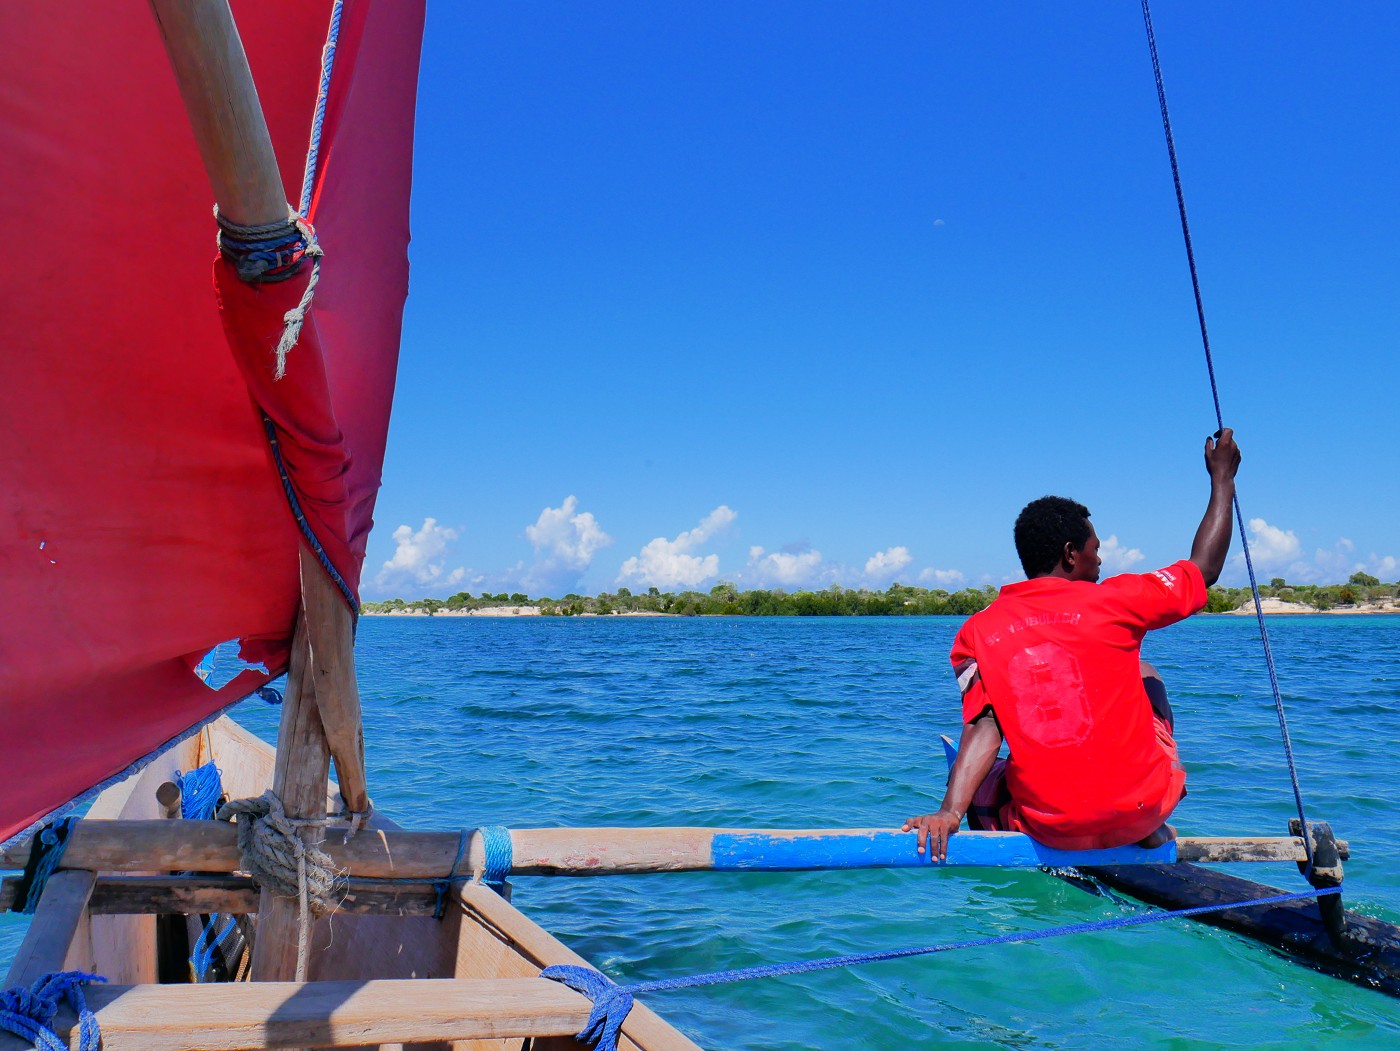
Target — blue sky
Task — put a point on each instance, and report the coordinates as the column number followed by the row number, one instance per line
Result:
column 792, row 294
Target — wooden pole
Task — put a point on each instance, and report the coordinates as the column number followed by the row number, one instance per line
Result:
column 299, row 781
column 136, row 846
column 211, row 67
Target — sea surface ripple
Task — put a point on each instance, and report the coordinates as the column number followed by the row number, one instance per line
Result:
column 835, row 722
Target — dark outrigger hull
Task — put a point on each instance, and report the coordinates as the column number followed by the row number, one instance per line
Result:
column 1369, row 955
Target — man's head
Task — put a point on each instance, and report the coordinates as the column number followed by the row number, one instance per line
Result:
column 1054, row 537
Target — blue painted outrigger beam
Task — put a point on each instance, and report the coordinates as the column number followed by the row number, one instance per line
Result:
column 764, row 852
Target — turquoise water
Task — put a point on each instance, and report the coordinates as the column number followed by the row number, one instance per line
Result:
column 834, row 723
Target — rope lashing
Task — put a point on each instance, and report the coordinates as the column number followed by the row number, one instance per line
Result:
column 200, row 790
column 271, row 253
column 1220, row 423
column 498, row 852
column 442, row 886
column 29, row 1013
column 44, row 857
column 611, row 1001
column 275, row 852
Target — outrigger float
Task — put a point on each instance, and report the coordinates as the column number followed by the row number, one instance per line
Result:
column 222, row 420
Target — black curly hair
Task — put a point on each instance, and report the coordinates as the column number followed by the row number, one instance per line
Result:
column 1043, row 528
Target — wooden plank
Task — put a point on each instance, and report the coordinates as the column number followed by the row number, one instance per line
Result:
column 56, row 920
column 330, row 627
column 209, row 846
column 249, row 1015
column 222, row 103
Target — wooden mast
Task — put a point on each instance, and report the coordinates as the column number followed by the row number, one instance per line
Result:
column 321, row 717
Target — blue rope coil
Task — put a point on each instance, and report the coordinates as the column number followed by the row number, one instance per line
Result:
column 200, row 790
column 44, row 857
column 612, row 1002
column 29, row 1013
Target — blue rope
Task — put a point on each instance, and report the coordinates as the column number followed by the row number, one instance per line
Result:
column 442, row 886
column 29, row 1013
column 1220, row 423
column 495, row 841
column 270, row 429
column 48, row 850
column 202, row 958
column 313, row 152
column 611, row 1001
column 200, row 790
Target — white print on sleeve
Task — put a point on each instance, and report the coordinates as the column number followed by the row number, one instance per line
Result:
column 1166, row 576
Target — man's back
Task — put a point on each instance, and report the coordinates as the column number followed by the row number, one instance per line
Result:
column 1057, row 661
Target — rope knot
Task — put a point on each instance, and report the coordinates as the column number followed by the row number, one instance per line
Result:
column 611, row 1003
column 278, row 856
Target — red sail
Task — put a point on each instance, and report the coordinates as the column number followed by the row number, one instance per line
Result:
column 142, row 520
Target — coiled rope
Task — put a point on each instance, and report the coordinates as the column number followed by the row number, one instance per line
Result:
column 29, row 1013
column 277, row 854
column 612, row 1002
column 1220, row 423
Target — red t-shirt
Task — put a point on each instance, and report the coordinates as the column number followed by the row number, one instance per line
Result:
column 1057, row 662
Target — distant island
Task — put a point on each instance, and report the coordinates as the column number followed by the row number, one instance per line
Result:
column 1362, row 593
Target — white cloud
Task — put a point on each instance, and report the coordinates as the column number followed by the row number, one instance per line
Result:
column 1116, row 557
column 942, row 578
column 883, row 566
column 670, row 564
column 1278, row 552
column 418, row 558
column 565, row 541
column 795, row 566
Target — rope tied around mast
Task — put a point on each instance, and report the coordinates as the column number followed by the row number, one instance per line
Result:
column 282, row 858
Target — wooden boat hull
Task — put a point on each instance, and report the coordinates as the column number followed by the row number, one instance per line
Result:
column 481, row 935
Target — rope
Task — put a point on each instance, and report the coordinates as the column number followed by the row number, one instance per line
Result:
column 294, row 502
column 277, row 855
column 442, row 886
column 202, row 958
column 29, row 1013
column 611, row 1001
column 497, row 848
column 313, row 150
column 44, row 857
column 200, row 790
column 1220, row 423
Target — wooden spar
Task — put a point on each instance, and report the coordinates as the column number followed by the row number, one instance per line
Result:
column 299, row 781
column 60, row 913
column 330, row 625
column 209, row 846
column 221, row 100
column 238, row 1015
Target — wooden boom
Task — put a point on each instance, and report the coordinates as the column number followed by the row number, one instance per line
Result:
column 209, row 846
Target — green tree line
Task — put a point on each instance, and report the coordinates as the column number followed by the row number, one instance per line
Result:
column 898, row 600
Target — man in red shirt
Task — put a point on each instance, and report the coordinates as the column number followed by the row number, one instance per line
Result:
column 1052, row 666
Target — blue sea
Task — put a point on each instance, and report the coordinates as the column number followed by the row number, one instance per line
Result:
column 785, row 722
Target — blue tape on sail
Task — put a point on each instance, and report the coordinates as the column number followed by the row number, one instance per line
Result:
column 759, row 852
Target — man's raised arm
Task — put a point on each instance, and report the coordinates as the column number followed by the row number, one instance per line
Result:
column 1212, row 541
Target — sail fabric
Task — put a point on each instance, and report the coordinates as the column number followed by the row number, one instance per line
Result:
column 142, row 520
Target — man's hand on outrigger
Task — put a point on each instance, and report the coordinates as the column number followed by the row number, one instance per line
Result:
column 977, row 751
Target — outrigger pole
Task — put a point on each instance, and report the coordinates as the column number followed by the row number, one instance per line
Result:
column 321, row 710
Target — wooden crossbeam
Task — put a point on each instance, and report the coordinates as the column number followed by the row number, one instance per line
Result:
column 135, row 846
column 255, row 1015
